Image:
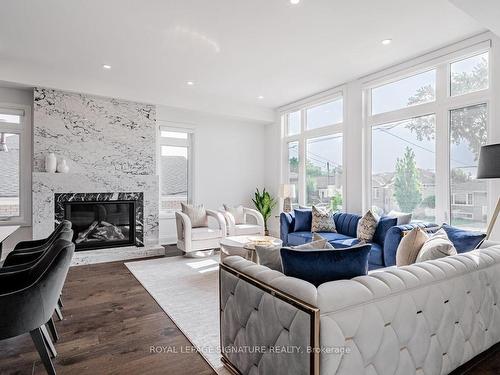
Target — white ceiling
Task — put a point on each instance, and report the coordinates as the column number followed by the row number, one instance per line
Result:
column 234, row 50
column 487, row 12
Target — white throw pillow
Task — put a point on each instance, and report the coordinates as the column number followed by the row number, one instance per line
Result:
column 322, row 221
column 410, row 246
column 197, row 215
column 237, row 212
column 367, row 226
column 403, row 218
column 437, row 246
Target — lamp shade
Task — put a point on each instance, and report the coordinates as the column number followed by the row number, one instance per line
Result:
column 489, row 162
column 287, row 191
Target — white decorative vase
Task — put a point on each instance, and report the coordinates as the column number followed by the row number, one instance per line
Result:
column 50, row 163
column 62, row 166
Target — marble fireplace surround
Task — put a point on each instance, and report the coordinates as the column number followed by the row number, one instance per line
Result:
column 110, row 147
column 138, row 197
column 47, row 185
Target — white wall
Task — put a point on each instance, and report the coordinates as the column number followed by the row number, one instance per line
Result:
column 272, row 171
column 229, row 157
column 22, row 96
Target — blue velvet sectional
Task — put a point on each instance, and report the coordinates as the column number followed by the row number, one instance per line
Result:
column 297, row 231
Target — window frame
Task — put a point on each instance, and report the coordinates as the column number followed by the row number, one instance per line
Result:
column 442, row 106
column 24, row 129
column 305, row 134
column 176, row 142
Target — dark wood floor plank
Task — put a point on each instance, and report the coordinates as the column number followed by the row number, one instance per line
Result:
column 110, row 323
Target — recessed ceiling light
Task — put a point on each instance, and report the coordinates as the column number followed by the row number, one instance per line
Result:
column 190, row 83
column 106, row 66
column 260, row 97
column 386, row 42
column 294, row 2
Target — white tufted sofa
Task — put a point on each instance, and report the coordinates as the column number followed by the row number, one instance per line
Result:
column 427, row 318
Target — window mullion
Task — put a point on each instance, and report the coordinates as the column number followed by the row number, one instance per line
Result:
column 302, row 158
column 442, row 145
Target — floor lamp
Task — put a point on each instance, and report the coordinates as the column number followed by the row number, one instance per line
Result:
column 489, row 167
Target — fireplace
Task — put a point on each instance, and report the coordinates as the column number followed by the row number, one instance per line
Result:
column 102, row 220
column 101, row 224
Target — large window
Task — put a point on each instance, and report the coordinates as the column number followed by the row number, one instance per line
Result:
column 293, row 168
column 313, row 153
column 426, row 130
column 15, row 155
column 468, row 132
column 406, row 92
column 404, row 168
column 324, row 178
column 469, row 75
column 329, row 113
column 175, row 168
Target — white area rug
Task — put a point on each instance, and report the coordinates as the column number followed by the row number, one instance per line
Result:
column 187, row 290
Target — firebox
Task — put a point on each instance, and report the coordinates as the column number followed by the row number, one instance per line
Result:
column 100, row 224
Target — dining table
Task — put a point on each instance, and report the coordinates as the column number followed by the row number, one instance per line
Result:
column 5, row 232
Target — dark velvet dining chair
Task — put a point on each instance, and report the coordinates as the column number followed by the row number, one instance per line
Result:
column 65, row 224
column 27, row 251
column 29, row 293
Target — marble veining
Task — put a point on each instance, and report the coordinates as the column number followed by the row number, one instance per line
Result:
column 138, row 197
column 47, row 185
column 110, row 147
column 94, row 134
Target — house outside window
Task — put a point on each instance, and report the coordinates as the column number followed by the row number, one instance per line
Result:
column 176, row 168
column 15, row 165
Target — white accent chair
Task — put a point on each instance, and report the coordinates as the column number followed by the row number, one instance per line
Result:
column 191, row 240
column 246, row 228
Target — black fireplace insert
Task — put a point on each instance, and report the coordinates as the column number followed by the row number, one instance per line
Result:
column 100, row 224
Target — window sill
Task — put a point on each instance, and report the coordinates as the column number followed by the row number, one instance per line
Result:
column 20, row 222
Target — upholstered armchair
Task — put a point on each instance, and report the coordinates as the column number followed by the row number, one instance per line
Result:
column 191, row 239
column 241, row 226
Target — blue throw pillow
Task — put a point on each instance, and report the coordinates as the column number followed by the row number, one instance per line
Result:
column 463, row 240
column 320, row 266
column 303, row 220
column 385, row 223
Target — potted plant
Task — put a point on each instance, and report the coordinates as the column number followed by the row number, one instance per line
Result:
column 264, row 203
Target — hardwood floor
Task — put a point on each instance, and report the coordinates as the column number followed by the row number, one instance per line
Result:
column 110, row 323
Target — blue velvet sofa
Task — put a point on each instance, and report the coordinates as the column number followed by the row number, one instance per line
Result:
column 383, row 248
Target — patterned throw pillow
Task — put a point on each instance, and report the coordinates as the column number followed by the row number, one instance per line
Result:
column 367, row 226
column 322, row 221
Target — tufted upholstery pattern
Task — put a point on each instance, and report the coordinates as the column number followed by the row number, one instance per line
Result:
column 426, row 318
column 346, row 223
column 252, row 318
